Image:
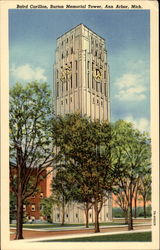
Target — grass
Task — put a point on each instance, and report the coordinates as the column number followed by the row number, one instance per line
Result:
column 128, row 237
column 41, row 226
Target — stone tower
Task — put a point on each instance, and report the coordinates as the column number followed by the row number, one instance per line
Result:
column 81, row 83
column 81, row 74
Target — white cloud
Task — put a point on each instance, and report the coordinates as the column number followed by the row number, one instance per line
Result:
column 27, row 73
column 130, row 87
column 142, row 124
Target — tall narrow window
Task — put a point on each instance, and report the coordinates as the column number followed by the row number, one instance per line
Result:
column 71, row 81
column 67, row 85
column 88, row 79
column 62, row 87
column 104, row 74
column 88, row 65
column 101, row 87
column 97, row 86
column 57, row 74
column 72, row 50
column 105, row 91
column 76, row 80
column 76, row 64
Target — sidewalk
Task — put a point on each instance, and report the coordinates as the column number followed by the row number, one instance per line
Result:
column 84, row 235
column 37, row 235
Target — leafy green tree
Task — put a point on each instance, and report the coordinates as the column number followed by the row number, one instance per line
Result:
column 131, row 156
column 85, row 147
column 145, row 188
column 31, row 140
column 46, row 206
column 62, row 189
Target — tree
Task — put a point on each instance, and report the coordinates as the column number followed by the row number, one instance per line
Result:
column 30, row 141
column 145, row 188
column 85, row 147
column 61, row 188
column 122, row 201
column 46, row 207
column 131, row 153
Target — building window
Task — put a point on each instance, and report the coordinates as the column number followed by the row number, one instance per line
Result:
column 76, row 80
column 93, row 100
column 88, row 65
column 76, row 215
column 67, row 40
column 72, row 50
column 97, row 86
column 96, row 53
column 66, row 101
column 92, row 82
column 71, row 65
column 104, row 74
column 88, row 79
column 58, row 216
column 33, row 207
column 62, row 88
column 57, row 74
column 41, row 195
column 98, row 102
column 71, row 81
column 71, row 99
column 101, row 103
column 66, row 85
column 61, row 102
column 76, row 64
column 24, row 207
column 66, row 215
column 62, row 56
column 101, row 87
column 67, row 53
column 90, row 215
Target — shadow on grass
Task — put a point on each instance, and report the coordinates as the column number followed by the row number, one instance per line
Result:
column 135, row 237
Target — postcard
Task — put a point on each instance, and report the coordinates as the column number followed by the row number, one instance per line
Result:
column 79, row 125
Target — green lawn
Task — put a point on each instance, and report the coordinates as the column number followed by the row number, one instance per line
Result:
column 39, row 226
column 138, row 237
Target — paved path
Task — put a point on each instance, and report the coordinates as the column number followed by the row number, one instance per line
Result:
column 34, row 234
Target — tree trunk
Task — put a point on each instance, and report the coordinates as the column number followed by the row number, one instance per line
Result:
column 144, row 207
column 126, row 217
column 135, row 206
column 86, row 213
column 130, row 224
column 96, row 230
column 19, row 226
column 63, row 212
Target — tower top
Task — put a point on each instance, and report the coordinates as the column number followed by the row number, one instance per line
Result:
column 81, row 25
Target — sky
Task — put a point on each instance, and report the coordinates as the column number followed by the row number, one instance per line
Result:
column 32, row 43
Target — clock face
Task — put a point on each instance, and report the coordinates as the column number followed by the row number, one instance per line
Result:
column 66, row 73
column 97, row 75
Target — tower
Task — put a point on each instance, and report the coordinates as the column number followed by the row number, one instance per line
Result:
column 81, row 74
column 81, row 83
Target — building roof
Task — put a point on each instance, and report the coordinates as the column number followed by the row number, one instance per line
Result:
column 85, row 27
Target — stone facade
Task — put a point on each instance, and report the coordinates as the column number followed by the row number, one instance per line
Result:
column 81, row 83
column 81, row 74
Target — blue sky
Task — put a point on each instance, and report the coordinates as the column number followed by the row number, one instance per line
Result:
column 32, row 41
